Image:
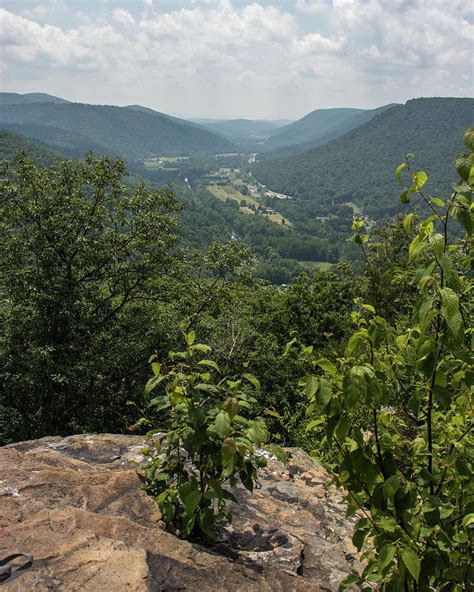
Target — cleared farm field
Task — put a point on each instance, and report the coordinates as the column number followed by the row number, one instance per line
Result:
column 224, row 192
column 278, row 218
column 234, row 194
column 218, row 191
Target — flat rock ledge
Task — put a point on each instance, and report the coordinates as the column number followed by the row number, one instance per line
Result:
column 75, row 503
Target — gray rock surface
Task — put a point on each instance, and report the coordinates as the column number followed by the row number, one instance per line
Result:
column 76, row 504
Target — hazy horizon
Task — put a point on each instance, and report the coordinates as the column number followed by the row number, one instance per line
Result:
column 225, row 59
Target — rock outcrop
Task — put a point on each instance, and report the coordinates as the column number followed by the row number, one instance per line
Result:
column 76, row 505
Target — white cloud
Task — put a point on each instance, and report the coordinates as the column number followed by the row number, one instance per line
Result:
column 123, row 17
column 218, row 58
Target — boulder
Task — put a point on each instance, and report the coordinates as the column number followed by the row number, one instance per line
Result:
column 75, row 503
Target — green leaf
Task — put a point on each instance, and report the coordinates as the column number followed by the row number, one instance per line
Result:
column 419, row 179
column 386, row 555
column 202, row 348
column 442, row 395
column 348, row 582
column 412, row 562
column 191, row 501
column 324, row 393
column 407, row 222
column 425, row 307
column 427, row 357
column 437, row 202
column 311, row 385
column 159, row 403
column 358, row 538
column 404, row 196
column 222, row 424
column 463, row 164
column 191, row 337
column 352, row 391
column 289, row 345
column 257, row 432
column 450, row 309
column 468, row 139
column 468, row 521
column 391, row 486
column 314, row 423
column 342, row 429
column 209, row 363
column 253, row 380
column 272, row 413
column 437, row 243
column 398, row 171
column 387, row 523
column 208, row 388
column 460, row 212
column 416, row 247
column 327, row 366
column 153, row 383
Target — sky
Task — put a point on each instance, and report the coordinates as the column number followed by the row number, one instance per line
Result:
column 234, row 58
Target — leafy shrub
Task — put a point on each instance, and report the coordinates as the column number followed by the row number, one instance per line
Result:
column 409, row 475
column 202, row 443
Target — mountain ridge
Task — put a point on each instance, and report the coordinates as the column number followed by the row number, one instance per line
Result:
column 121, row 131
column 8, row 98
column 332, row 133
column 312, row 124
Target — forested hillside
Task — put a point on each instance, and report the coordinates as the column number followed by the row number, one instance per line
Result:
column 352, row 168
column 326, row 136
column 315, row 123
column 117, row 130
column 11, row 144
column 74, row 144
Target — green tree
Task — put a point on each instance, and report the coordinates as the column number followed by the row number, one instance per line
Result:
column 409, row 472
column 388, row 270
column 78, row 265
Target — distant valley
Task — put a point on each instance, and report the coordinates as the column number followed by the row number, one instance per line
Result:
column 287, row 189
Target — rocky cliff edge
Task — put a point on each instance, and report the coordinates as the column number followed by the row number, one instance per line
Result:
column 75, row 503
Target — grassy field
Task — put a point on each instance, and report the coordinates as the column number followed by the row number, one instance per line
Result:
column 234, row 194
column 218, row 192
column 229, row 192
column 278, row 218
